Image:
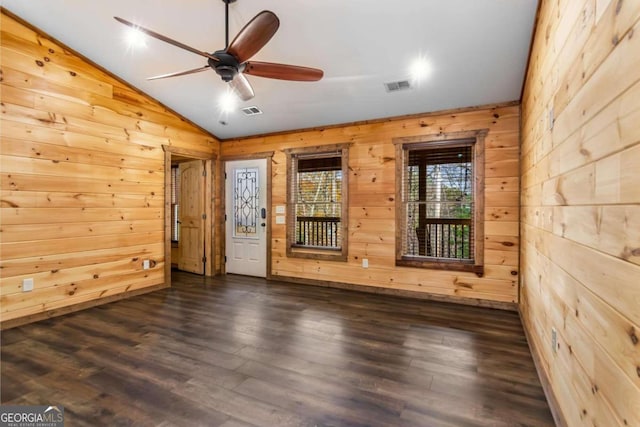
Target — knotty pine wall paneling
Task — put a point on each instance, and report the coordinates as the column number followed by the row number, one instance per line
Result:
column 82, row 178
column 580, row 216
column 372, row 205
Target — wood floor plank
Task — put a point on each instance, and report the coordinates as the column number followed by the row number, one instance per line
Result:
column 236, row 351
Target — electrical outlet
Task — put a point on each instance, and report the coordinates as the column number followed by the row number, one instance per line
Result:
column 27, row 285
column 145, row 264
column 365, row 263
column 554, row 340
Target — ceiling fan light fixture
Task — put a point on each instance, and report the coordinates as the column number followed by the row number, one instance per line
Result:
column 226, row 66
column 231, row 63
column 228, row 102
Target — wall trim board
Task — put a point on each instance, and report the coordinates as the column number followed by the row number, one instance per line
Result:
column 534, row 32
column 558, row 417
column 13, row 323
column 10, row 14
column 520, row 189
column 498, row 305
column 381, row 120
column 186, row 152
column 260, row 155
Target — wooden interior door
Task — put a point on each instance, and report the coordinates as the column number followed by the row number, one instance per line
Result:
column 191, row 245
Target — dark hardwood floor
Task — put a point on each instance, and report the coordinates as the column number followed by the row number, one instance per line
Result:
column 238, row 351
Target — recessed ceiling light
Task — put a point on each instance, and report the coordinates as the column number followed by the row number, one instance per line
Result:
column 419, row 69
column 136, row 38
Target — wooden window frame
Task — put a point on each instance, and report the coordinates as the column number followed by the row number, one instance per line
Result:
column 318, row 253
column 432, row 141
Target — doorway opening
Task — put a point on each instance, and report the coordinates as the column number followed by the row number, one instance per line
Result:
column 189, row 212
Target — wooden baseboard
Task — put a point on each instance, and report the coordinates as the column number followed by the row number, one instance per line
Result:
column 544, row 379
column 510, row 306
column 77, row 307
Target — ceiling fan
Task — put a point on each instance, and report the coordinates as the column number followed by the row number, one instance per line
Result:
column 232, row 62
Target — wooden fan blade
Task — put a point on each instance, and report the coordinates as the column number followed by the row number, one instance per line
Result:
column 165, row 38
column 282, row 71
column 242, row 87
column 254, row 36
column 179, row 73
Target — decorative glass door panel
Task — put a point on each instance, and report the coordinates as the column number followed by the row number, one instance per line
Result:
column 246, row 202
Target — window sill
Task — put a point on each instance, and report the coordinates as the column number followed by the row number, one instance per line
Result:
column 318, row 254
column 441, row 264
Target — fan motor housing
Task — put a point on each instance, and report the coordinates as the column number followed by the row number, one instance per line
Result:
column 227, row 66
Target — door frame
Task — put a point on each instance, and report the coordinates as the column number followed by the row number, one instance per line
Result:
column 209, row 206
column 268, row 155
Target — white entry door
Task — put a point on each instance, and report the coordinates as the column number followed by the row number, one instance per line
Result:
column 246, row 217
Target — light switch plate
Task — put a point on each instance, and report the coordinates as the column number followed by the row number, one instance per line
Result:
column 145, row 264
column 280, row 219
column 280, row 209
column 27, row 285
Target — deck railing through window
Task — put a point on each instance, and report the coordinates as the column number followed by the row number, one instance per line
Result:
column 318, row 231
column 443, row 238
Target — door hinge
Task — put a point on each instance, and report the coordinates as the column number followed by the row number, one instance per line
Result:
column 225, row 175
column 225, row 258
column 204, row 216
column 204, row 259
column 225, row 217
column 204, row 173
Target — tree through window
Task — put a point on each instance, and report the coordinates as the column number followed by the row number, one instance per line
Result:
column 440, row 196
column 317, row 202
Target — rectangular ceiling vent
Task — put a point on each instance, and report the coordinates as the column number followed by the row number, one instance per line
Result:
column 396, row 86
column 251, row 111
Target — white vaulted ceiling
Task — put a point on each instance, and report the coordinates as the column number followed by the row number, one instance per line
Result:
column 476, row 50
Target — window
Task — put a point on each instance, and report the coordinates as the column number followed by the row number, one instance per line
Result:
column 317, row 185
column 175, row 203
column 440, row 201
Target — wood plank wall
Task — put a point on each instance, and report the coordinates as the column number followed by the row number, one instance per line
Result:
column 82, row 177
column 580, row 216
column 372, row 204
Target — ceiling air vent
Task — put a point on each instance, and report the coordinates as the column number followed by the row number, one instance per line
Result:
column 251, row 111
column 396, row 86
